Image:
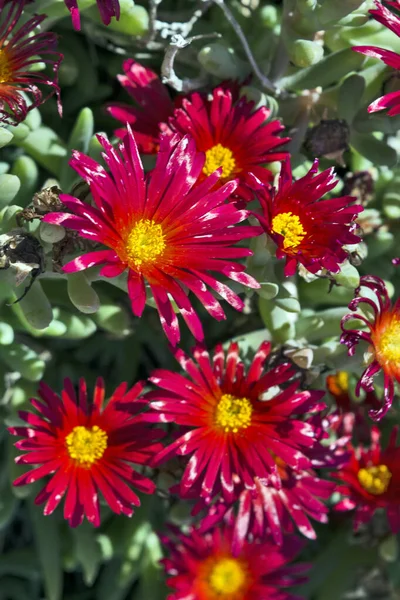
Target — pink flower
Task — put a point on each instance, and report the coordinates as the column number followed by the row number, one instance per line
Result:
column 165, row 230
column 19, row 50
column 392, row 21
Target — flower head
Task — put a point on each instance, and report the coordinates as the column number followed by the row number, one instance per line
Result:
column 390, row 20
column 165, row 230
column 263, row 510
column 154, row 106
column 306, row 230
column 382, row 335
column 228, row 428
column 19, row 50
column 107, row 9
column 371, row 480
column 233, row 135
column 205, row 566
column 87, row 448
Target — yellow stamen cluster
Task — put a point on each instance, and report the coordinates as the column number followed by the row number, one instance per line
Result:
column 289, row 226
column 6, row 72
column 219, row 156
column 388, row 343
column 86, row 446
column 375, row 479
column 145, row 243
column 228, row 576
column 233, row 414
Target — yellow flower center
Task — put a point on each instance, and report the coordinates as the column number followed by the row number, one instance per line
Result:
column 219, row 156
column 233, row 413
column 375, row 479
column 388, row 343
column 289, row 225
column 145, row 243
column 5, row 68
column 85, row 445
column 338, row 383
column 228, row 576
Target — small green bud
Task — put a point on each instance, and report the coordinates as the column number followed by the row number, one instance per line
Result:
column 6, row 334
column 81, row 293
column 51, row 233
column 219, row 60
column 269, row 16
column 305, row 53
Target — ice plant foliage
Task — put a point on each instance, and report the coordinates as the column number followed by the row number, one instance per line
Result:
column 233, row 135
column 87, row 449
column 391, row 20
column 371, row 480
column 19, row 50
column 308, row 230
column 205, row 566
column 107, row 9
column 382, row 336
column 228, row 432
column 154, row 106
column 165, row 230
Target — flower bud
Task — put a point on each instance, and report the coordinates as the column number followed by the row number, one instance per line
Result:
column 220, row 61
column 269, row 16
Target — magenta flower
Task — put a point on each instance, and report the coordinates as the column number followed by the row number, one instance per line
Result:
column 306, row 229
column 392, row 21
column 107, row 9
column 19, row 50
column 207, row 567
column 228, row 432
column 165, row 230
column 382, row 336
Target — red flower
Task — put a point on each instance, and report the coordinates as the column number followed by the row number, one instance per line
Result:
column 306, row 230
column 107, row 8
column 264, row 511
column 371, row 480
column 87, row 449
column 165, row 230
column 229, row 432
column 205, row 566
column 148, row 119
column 226, row 127
column 383, row 337
column 233, row 136
column 392, row 59
column 19, row 50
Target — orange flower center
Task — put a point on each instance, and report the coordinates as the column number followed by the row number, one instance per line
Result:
column 228, row 576
column 375, row 479
column 387, row 343
column 339, row 383
column 289, row 226
column 145, row 243
column 5, row 68
column 233, row 413
column 219, row 156
column 86, row 446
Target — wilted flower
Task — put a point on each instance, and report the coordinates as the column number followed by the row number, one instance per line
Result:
column 306, row 230
column 205, row 566
column 382, row 335
column 227, row 426
column 87, row 448
column 165, row 230
column 392, row 21
column 233, row 135
column 107, row 9
column 19, row 50
column 371, row 480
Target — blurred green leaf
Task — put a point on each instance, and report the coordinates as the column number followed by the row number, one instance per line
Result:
column 47, row 541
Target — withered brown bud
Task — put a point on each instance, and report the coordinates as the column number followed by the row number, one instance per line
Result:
column 360, row 185
column 330, row 138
